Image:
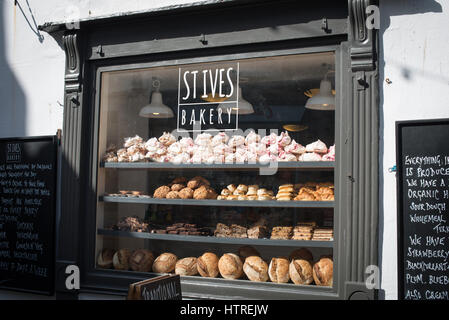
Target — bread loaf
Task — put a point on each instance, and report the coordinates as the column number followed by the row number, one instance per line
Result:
column 141, row 260
column 120, row 260
column 323, row 272
column 207, row 265
column 300, row 271
column 104, row 259
column 165, row 263
column 230, row 266
column 256, row 269
column 186, row 267
column 278, row 270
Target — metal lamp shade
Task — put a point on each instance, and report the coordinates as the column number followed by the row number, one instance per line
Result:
column 156, row 109
column 324, row 100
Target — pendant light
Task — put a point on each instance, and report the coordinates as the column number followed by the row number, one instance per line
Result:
column 324, row 100
column 244, row 107
column 156, row 109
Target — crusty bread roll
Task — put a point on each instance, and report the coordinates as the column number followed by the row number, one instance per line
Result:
column 104, row 259
column 256, row 269
column 300, row 271
column 186, row 267
column 247, row 251
column 243, row 188
column 141, row 260
column 230, row 266
column 165, row 263
column 207, row 265
column 301, row 253
column 120, row 260
column 231, row 187
column 278, row 270
column 323, row 272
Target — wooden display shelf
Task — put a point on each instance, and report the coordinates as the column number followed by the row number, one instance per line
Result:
column 221, row 203
column 211, row 239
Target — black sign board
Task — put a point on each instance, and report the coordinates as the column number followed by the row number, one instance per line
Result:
column 166, row 287
column 423, row 209
column 27, row 213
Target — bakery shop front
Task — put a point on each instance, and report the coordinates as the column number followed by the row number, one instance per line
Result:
column 232, row 143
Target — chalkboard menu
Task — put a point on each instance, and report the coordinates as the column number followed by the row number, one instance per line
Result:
column 167, row 287
column 423, row 209
column 27, row 213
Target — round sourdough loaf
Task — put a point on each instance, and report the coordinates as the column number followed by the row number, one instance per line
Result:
column 256, row 269
column 120, row 260
column 105, row 258
column 165, row 263
column 278, row 270
column 300, row 271
column 141, row 260
column 186, row 267
column 230, row 266
column 323, row 272
column 207, row 265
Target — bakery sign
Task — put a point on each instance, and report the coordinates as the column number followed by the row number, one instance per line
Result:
column 167, row 287
column 207, row 97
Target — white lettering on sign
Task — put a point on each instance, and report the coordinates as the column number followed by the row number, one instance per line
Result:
column 207, row 98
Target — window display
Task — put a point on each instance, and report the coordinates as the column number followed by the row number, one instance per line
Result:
column 218, row 170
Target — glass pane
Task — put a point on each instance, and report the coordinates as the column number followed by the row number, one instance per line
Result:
column 216, row 157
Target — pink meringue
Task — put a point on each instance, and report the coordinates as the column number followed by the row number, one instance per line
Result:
column 270, row 139
column 219, row 138
column 175, row 148
column 330, row 156
column 295, row 148
column 283, row 139
column 167, row 139
column 257, row 148
column 236, row 141
column 132, row 141
column 317, row 146
column 186, row 142
column 313, row 156
column 252, row 137
column 203, row 139
column 287, row 157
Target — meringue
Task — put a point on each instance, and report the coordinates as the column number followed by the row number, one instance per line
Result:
column 313, row 156
column 317, row 146
column 236, row 141
column 203, row 139
column 132, row 141
column 219, row 138
column 167, row 139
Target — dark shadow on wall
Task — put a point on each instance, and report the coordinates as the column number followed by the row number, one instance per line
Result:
column 12, row 97
column 388, row 9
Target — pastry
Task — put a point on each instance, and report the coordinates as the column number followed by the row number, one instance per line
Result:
column 252, row 190
column 242, row 188
column 141, row 260
column 247, row 251
column 238, row 231
column 173, row 195
column 161, row 192
column 300, row 271
column 204, row 192
column 186, row 193
column 278, row 270
column 256, row 269
column 242, row 197
column 207, row 265
column 301, row 253
column 257, row 232
column 120, row 260
column 104, row 259
column 197, row 182
column 230, row 266
column 282, row 233
column 220, row 197
column 186, row 267
column 226, row 192
column 238, row 192
column 165, row 263
column 323, row 272
column 177, row 186
column 305, row 194
column 231, row 187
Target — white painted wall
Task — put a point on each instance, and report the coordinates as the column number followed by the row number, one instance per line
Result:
column 414, row 56
column 414, row 45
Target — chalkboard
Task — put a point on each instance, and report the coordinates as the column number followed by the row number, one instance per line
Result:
column 167, row 287
column 423, row 209
column 27, row 213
